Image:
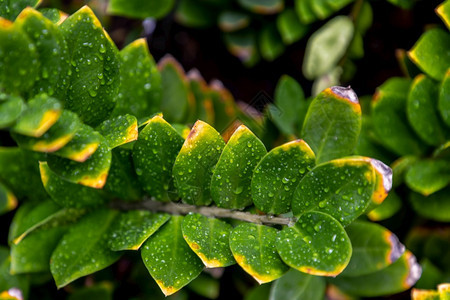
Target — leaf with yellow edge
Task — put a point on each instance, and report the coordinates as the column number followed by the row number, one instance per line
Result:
column 7, row 200
column 119, row 130
column 253, row 247
column 209, row 239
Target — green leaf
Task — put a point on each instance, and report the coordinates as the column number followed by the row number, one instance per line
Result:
column 84, row 248
column 8, row 201
column 11, row 284
column 119, row 130
column 262, row 7
column 138, row 9
column 317, row 244
column 365, row 19
column 154, row 155
column 400, row 167
column 443, row 11
column 405, row 4
column 428, row 176
column 270, row 43
column 176, row 95
column 304, row 11
column 209, row 239
column 205, row 286
column 443, row 151
column 51, row 49
column 395, row 278
column 290, row 27
column 83, row 144
column 390, row 206
column 91, row 173
column 229, row 21
column 11, row 107
column 169, row 259
column 434, row 207
column 41, row 114
column 430, row 53
column 140, row 82
column 422, row 110
column 231, row 179
column 53, row 139
column 192, row 13
column 253, row 247
column 374, row 248
column 224, row 106
column 295, row 285
column 133, row 228
column 53, row 14
column 327, row 46
column 332, row 123
column 243, row 45
column 94, row 55
column 194, row 164
column 10, row 9
column 444, row 99
column 66, row 193
column 321, row 9
column 19, row 64
column 389, row 118
column 277, row 175
column 204, row 106
column 343, row 188
column 101, row 291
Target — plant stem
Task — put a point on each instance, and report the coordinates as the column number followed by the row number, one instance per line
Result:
column 208, row 211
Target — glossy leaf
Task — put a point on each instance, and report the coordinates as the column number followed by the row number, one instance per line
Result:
column 209, row 239
column 430, row 53
column 194, row 164
column 8, row 201
column 422, row 111
column 41, row 113
column 133, row 228
column 355, row 183
column 53, row 14
column 253, row 247
column 277, row 175
column 428, row 176
column 231, row 179
column 229, row 21
column 94, row 55
column 374, row 248
column 296, row 285
column 444, row 99
column 327, row 46
column 91, row 173
column 435, row 206
column 140, row 82
column 119, row 130
column 263, row 7
column 53, row 139
column 395, row 278
column 138, row 9
column 154, row 155
column 443, row 11
column 66, row 193
column 11, row 9
column 169, row 259
column 290, row 27
column 84, row 248
column 11, row 108
column 332, row 123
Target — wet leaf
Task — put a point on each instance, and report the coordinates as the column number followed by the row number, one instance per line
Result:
column 253, row 247
column 209, row 239
column 11, row 107
column 41, row 113
column 430, row 53
column 19, row 64
column 133, row 228
column 428, row 176
column 84, row 248
column 395, row 278
column 295, row 285
column 434, row 207
column 374, row 248
column 389, row 118
column 290, row 27
column 277, row 175
column 53, row 14
column 444, row 99
column 53, row 139
column 138, row 9
column 263, row 7
column 91, row 173
column 11, row 9
column 154, row 155
column 229, row 21
column 194, row 164
column 140, row 82
column 8, row 201
column 51, row 49
column 169, row 259
column 94, row 56
column 66, row 193
column 231, row 179
column 317, row 244
column 390, row 206
column 332, row 123
column 119, row 130
column 422, row 110
column 343, row 188
column 327, row 46
column 270, row 43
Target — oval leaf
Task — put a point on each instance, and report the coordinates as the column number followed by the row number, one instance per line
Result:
column 295, row 285
column 119, row 130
